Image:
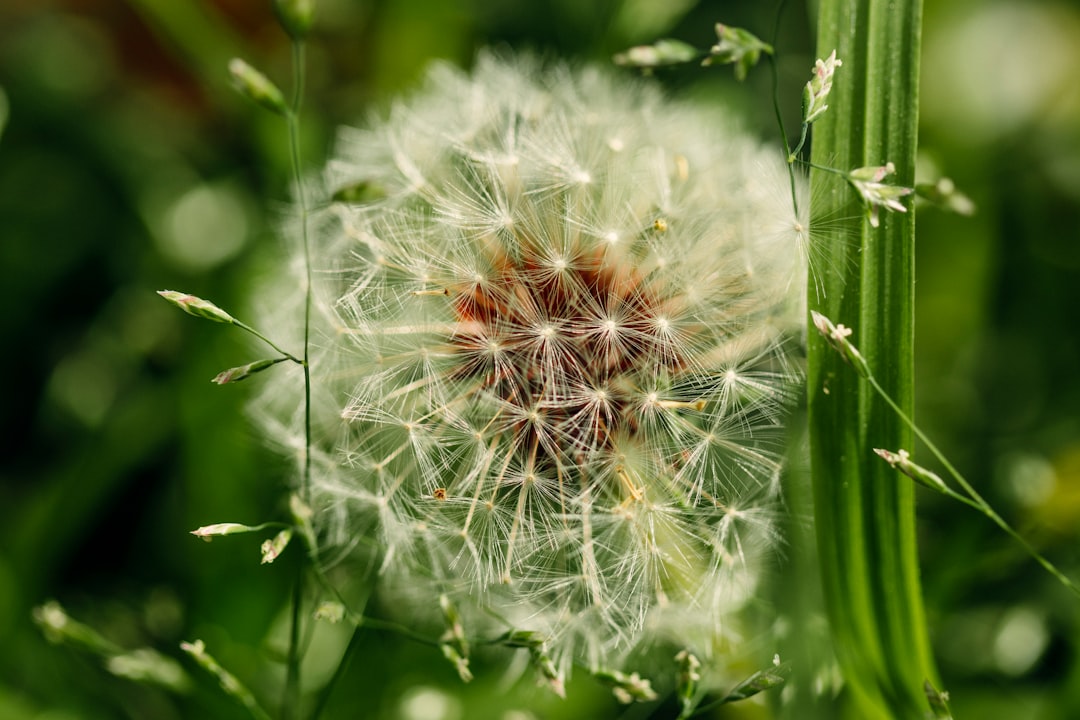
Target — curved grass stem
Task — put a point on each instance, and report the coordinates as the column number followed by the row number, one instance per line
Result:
column 774, row 67
column 973, row 498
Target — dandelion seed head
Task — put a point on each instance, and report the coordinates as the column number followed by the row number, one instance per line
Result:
column 550, row 363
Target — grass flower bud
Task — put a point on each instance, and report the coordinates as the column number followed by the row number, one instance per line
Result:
column 197, row 306
column 818, row 87
column 945, row 195
column 330, row 611
column 687, row 680
column 229, row 683
column 529, row 395
column 660, row 53
column 759, row 682
column 209, row 532
column 256, row 87
column 627, row 688
column 296, row 16
column 146, row 665
column 737, row 47
column 867, row 181
column 901, row 460
column 243, row 372
column 536, row 644
column 59, row 627
column 460, row 662
column 938, row 701
column 837, row 336
column 272, row 548
column 455, row 632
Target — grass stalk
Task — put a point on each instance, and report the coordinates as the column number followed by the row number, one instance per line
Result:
column 864, row 518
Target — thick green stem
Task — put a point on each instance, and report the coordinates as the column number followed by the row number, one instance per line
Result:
column 864, row 518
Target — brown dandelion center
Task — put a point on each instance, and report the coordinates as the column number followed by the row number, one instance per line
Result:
column 566, row 343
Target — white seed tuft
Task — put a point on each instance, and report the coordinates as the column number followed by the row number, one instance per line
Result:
column 549, row 362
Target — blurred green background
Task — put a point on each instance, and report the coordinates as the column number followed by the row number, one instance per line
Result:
column 127, row 165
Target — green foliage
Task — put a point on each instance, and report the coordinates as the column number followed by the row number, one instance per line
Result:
column 116, row 446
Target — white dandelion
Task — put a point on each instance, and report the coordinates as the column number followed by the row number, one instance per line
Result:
column 551, row 355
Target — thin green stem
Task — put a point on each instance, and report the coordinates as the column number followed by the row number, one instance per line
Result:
column 339, row 672
column 247, row 328
column 794, row 154
column 976, row 500
column 368, row 622
column 291, row 704
column 293, row 119
column 226, row 680
column 825, row 168
column 773, row 66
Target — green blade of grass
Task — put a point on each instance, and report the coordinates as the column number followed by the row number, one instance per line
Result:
column 864, row 519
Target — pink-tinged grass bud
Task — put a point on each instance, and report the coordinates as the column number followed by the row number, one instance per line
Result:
column 196, row 306
column 256, row 87
column 901, row 460
column 272, row 548
column 867, row 181
column 209, row 532
column 837, row 335
column 528, row 394
column 819, row 87
column 243, row 372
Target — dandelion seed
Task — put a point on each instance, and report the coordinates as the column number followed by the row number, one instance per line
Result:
column 552, row 388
